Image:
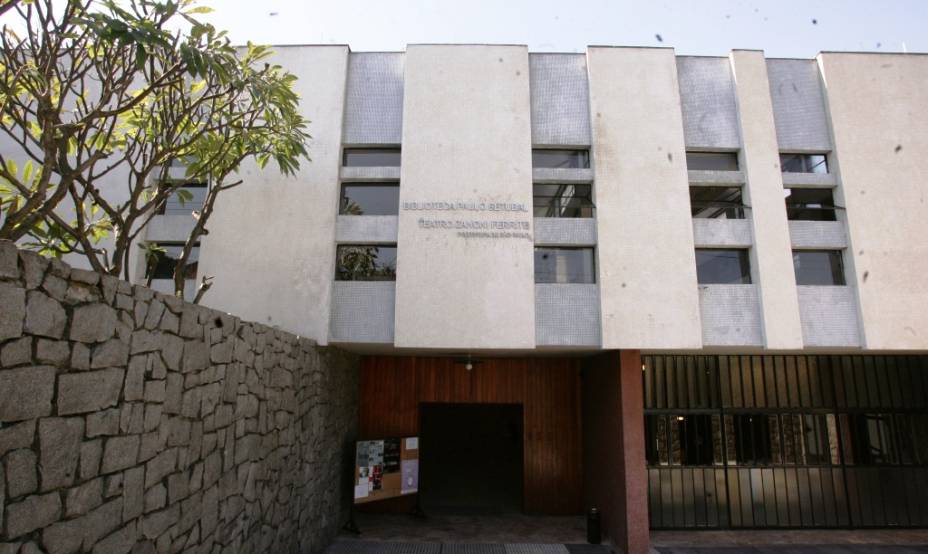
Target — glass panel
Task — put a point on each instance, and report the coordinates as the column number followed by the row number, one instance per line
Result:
column 695, row 439
column 803, row 163
column 818, row 267
column 371, row 157
column 712, row 161
column 816, row 440
column 164, row 267
column 572, row 159
column 716, row 202
column 370, row 199
column 365, row 262
column 718, row 266
column 810, row 205
column 563, row 201
column 871, row 439
column 195, row 194
column 752, row 439
column 564, row 265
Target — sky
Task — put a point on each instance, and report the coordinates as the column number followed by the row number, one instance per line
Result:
column 782, row 28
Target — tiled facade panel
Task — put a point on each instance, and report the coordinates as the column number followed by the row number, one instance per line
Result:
column 730, row 315
column 829, row 316
column 374, row 100
column 707, row 99
column 567, row 315
column 798, row 105
column 374, row 299
column 565, row 231
column 560, row 100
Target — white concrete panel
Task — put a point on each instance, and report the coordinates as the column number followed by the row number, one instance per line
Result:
column 466, row 138
column 771, row 257
column 647, row 268
column 271, row 245
column 880, row 129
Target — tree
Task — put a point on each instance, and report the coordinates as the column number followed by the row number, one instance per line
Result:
column 97, row 89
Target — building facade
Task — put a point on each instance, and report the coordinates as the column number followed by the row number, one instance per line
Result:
column 703, row 279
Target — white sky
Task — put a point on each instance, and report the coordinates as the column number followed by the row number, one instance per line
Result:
column 783, row 28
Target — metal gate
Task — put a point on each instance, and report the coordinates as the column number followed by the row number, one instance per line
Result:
column 786, row 441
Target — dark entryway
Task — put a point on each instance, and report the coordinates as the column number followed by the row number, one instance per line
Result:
column 470, row 458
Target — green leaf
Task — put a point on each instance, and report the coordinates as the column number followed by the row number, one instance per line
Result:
column 199, row 10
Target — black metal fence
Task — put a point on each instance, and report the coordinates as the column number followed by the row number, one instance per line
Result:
column 786, row 441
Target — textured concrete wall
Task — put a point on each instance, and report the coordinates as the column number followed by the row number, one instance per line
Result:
column 466, row 137
column 560, row 100
column 722, row 232
column 771, row 257
column 880, row 125
column 707, row 100
column 798, row 106
column 642, row 201
column 374, row 98
column 271, row 246
column 131, row 421
column 373, row 229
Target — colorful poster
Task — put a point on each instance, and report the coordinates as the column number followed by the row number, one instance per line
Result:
column 386, row 468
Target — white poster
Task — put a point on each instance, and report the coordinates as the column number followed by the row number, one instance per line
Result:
column 412, row 443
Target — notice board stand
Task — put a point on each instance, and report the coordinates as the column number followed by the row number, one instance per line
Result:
column 384, row 469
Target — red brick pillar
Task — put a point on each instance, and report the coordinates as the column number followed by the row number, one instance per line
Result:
column 633, row 457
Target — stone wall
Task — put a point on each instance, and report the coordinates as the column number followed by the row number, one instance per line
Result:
column 131, row 421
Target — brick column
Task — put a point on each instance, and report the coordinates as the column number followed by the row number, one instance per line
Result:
column 633, row 458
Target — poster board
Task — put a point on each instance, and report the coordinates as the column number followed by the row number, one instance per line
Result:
column 386, row 468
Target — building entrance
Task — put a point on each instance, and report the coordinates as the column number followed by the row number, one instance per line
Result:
column 471, row 458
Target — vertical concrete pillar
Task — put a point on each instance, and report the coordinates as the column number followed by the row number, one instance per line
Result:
column 771, row 257
column 614, row 474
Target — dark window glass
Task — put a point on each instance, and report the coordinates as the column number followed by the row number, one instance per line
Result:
column 185, row 199
column 810, row 205
column 712, row 161
column 371, row 157
column 871, row 440
column 818, row 267
column 803, row 163
column 564, row 265
column 561, row 158
column 163, row 267
column 653, row 437
column 716, row 266
column 752, row 439
column 366, row 262
column 370, row 199
column 563, row 201
column 717, row 202
column 695, row 432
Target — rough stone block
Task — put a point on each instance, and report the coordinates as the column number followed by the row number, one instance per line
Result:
column 59, row 449
column 55, row 286
column 152, row 443
column 156, row 523
column 145, row 341
column 120, row 453
column 124, row 302
column 89, row 391
column 133, row 493
column 221, row 353
column 34, row 268
column 13, row 300
column 118, row 542
column 54, row 352
column 160, row 466
column 135, row 378
column 85, row 276
column 112, row 353
column 16, row 352
column 174, row 393
column 17, row 435
column 91, row 454
column 170, row 323
column 112, row 485
column 108, row 284
column 172, row 349
column 34, row 388
column 155, row 391
column 156, row 498
column 21, row 473
column 153, row 317
column 9, row 268
column 196, row 355
column 178, row 486
column 33, row 512
column 44, row 315
column 152, row 417
column 189, row 324
column 80, row 356
column 93, row 323
column 178, row 432
column 81, row 499
column 81, row 293
column 105, row 422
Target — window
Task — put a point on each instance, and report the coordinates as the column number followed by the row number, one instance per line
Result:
column 563, row 201
column 871, row 439
column 370, row 199
column 712, row 161
column 163, row 266
column 371, row 157
column 752, row 439
column 716, row 202
column 683, row 439
column 716, row 266
column 365, row 262
column 803, row 163
column 810, row 205
column 818, row 267
column 571, row 159
column 185, row 199
column 564, row 265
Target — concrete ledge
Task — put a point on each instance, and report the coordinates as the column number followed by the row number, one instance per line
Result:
column 567, row 315
column 705, row 178
column 817, row 234
column 170, row 228
column 722, row 232
column 355, row 174
column 829, row 316
column 565, row 231
column 362, row 312
column 730, row 315
column 368, row 229
column 811, row 180
column 543, row 175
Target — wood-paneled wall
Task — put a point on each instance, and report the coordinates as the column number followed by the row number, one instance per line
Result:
column 548, row 389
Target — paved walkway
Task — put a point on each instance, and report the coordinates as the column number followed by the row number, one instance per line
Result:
column 347, row 546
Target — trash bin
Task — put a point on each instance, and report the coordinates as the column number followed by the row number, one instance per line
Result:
column 594, row 532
